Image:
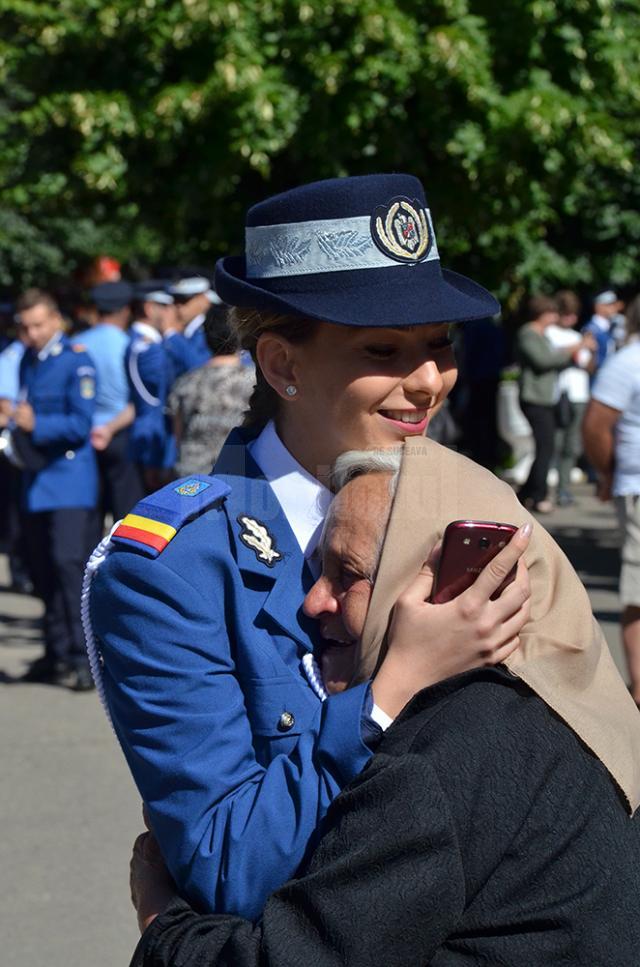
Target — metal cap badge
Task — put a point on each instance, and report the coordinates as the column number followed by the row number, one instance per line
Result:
column 401, row 229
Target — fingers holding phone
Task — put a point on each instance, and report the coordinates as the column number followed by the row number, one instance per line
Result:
column 504, row 567
column 498, row 600
column 429, row 642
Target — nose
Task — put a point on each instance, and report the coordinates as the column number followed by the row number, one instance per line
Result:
column 319, row 600
column 425, row 381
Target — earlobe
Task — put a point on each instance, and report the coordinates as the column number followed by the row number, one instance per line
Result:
column 275, row 356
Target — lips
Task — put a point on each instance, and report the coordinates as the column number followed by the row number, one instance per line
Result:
column 409, row 421
column 329, row 641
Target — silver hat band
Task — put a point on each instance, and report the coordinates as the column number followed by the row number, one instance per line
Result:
column 326, row 245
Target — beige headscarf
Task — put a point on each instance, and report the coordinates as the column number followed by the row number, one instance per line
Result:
column 563, row 656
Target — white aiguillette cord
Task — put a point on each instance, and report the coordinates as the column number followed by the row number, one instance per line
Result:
column 95, row 661
column 309, row 664
column 314, row 675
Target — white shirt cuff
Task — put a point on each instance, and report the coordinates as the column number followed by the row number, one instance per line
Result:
column 381, row 718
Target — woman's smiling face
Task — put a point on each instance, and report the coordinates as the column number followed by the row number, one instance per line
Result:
column 363, row 388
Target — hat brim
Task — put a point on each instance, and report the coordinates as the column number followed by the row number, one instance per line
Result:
column 404, row 295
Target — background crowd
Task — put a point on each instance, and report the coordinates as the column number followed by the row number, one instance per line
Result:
column 107, row 395
column 98, row 409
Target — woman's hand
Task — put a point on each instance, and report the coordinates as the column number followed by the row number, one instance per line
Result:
column 431, row 642
column 152, row 889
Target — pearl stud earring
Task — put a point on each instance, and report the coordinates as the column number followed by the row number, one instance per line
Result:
column 291, row 391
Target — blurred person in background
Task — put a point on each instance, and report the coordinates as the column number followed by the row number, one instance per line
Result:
column 57, row 399
column 11, row 531
column 107, row 343
column 193, row 297
column 540, row 364
column 612, row 443
column 606, row 306
column 208, row 402
column 619, row 325
column 572, row 392
column 181, row 352
column 148, row 373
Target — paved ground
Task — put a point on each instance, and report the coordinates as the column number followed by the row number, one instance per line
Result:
column 68, row 809
column 68, row 815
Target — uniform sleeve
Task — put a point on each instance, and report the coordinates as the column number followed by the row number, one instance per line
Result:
column 9, row 372
column 151, row 370
column 230, row 829
column 386, row 886
column 73, row 426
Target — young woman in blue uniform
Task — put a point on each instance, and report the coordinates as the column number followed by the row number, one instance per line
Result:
column 208, row 668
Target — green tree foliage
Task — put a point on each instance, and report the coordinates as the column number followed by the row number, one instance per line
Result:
column 145, row 127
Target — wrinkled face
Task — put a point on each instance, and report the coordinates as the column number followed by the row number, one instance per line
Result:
column 353, row 535
column 365, row 388
column 38, row 325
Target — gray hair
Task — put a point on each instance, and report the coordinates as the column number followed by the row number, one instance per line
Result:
column 355, row 463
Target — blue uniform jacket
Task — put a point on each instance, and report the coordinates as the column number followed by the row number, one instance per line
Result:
column 147, row 367
column 605, row 343
column 202, row 652
column 198, row 343
column 182, row 355
column 61, row 389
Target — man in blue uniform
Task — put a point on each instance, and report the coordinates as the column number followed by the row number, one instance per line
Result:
column 148, row 373
column 605, row 307
column 107, row 343
column 10, row 528
column 194, row 296
column 60, row 482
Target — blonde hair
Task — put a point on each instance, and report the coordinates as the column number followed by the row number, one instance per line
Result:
column 249, row 324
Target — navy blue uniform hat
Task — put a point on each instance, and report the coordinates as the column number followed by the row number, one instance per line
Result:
column 357, row 251
column 111, row 296
column 154, row 290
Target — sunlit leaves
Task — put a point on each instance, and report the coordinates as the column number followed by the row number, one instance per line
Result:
column 148, row 126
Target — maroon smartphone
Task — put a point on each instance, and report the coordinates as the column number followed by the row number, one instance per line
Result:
column 467, row 547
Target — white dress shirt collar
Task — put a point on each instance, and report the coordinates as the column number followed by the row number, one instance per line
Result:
column 603, row 324
column 192, row 327
column 304, row 500
column 47, row 349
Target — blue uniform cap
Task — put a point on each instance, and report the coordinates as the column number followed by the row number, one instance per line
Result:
column 356, row 251
column 111, row 296
column 187, row 288
column 154, row 290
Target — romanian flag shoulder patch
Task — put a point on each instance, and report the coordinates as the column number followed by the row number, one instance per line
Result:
column 156, row 520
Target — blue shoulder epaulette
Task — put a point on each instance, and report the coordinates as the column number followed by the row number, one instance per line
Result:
column 156, row 519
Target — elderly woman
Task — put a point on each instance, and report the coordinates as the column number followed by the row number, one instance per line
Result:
column 493, row 824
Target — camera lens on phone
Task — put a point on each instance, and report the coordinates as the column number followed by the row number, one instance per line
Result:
column 484, row 542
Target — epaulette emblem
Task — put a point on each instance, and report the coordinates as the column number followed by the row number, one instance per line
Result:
column 157, row 519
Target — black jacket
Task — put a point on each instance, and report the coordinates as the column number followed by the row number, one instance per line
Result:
column 482, row 832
